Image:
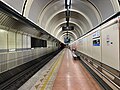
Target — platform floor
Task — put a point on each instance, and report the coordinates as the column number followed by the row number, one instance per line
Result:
column 73, row 76
column 63, row 73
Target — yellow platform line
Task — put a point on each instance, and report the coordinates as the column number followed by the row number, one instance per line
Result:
column 52, row 71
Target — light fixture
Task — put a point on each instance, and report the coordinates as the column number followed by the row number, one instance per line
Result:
column 68, row 2
column 1, row 30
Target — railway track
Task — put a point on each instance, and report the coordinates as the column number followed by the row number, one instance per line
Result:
column 17, row 80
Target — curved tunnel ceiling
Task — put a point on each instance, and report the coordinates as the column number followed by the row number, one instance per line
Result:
column 50, row 14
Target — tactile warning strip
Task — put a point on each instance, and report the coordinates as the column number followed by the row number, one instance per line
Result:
column 47, row 79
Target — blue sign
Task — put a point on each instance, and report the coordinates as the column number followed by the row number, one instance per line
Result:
column 66, row 40
column 96, row 42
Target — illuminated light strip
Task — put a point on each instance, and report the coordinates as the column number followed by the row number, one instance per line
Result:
column 68, row 2
column 52, row 71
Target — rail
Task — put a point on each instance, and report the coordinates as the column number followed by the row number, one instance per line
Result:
column 13, row 79
column 100, row 71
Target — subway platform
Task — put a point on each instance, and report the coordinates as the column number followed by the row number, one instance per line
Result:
column 62, row 73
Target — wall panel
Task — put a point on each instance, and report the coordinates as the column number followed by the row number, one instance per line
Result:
column 3, row 39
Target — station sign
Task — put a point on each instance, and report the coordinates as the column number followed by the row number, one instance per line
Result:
column 64, row 28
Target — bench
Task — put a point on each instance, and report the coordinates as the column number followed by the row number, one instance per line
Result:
column 74, row 56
